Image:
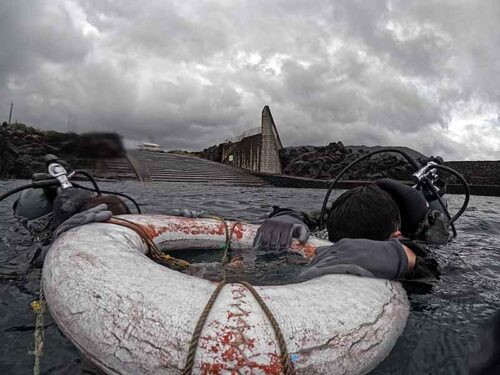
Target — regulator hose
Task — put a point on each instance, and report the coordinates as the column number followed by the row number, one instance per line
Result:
column 428, row 184
column 90, row 178
column 112, row 193
column 34, row 185
column 47, row 183
column 466, row 188
column 408, row 157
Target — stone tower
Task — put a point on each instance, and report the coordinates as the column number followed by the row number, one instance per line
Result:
column 271, row 144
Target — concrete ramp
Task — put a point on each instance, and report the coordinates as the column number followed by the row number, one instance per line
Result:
column 166, row 167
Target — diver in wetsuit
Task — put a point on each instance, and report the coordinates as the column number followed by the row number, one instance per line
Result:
column 48, row 212
column 379, row 230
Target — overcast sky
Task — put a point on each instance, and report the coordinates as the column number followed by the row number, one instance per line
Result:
column 423, row 74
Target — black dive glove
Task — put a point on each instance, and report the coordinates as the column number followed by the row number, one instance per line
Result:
column 67, row 203
column 277, row 232
column 97, row 214
column 426, row 265
column 433, row 228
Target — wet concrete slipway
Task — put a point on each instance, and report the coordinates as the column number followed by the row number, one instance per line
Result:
column 441, row 331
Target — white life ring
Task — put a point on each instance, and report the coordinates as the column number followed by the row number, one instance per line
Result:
column 130, row 315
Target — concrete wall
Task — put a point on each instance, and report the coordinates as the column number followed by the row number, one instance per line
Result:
column 246, row 153
column 485, row 172
column 256, row 153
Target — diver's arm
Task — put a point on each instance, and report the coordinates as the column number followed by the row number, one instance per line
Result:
column 393, row 259
column 369, row 258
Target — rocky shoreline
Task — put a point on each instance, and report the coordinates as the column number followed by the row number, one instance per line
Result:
column 22, row 149
column 325, row 162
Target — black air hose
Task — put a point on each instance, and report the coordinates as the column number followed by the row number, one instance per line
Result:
column 34, row 185
column 112, row 193
column 91, row 179
column 466, row 188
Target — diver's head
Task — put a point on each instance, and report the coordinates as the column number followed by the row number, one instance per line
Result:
column 364, row 212
column 33, row 204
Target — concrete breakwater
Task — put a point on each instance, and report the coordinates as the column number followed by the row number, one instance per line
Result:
column 483, row 172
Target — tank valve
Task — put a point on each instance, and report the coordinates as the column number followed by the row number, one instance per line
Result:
column 58, row 172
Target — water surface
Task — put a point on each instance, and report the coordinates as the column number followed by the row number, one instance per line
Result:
column 443, row 324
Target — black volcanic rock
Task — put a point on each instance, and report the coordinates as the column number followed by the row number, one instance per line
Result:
column 213, row 153
column 326, row 162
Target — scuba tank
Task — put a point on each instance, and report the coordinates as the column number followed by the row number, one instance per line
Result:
column 33, row 203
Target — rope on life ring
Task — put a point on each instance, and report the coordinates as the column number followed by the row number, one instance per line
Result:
column 155, row 253
column 181, row 265
column 285, row 358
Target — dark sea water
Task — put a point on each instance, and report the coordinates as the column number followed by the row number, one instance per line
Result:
column 444, row 323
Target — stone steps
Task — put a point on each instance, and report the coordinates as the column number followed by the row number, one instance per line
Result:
column 165, row 167
column 117, row 169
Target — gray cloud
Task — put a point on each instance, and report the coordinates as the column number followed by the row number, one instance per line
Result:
column 401, row 72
